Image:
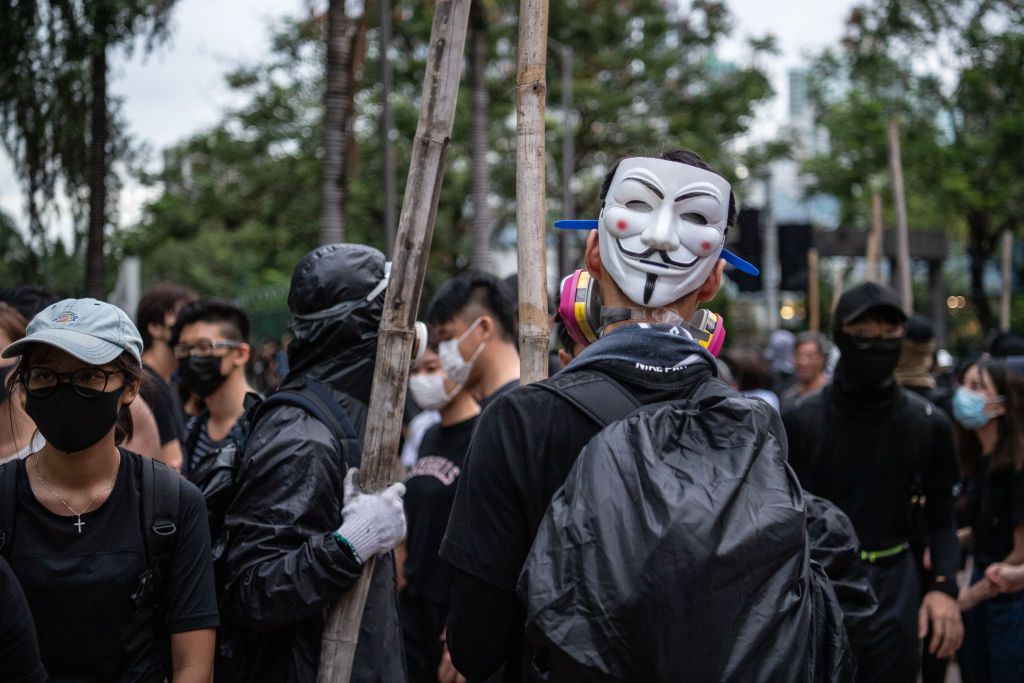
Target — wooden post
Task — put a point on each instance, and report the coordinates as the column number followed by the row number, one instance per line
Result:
column 813, row 293
column 873, row 267
column 1004, row 308
column 534, row 338
column 902, row 235
column 838, row 279
column 394, row 347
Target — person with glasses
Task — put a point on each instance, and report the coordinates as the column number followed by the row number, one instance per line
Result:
column 874, row 449
column 80, row 538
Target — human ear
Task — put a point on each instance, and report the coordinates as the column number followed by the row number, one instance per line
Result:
column 131, row 391
column 244, row 353
column 709, row 289
column 592, row 256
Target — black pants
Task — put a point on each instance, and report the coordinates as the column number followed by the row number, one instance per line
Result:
column 892, row 651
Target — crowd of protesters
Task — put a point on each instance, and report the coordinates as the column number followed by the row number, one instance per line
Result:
column 176, row 504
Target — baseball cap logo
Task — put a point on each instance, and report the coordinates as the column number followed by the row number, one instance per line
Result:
column 65, row 318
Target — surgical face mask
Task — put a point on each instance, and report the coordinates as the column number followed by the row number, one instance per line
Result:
column 454, row 365
column 662, row 228
column 969, row 408
column 428, row 391
column 71, row 422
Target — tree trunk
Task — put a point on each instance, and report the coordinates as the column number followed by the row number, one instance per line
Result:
column 980, row 247
column 338, row 97
column 394, row 344
column 531, row 87
column 481, row 179
column 95, row 270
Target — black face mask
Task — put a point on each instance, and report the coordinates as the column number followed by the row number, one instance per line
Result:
column 868, row 363
column 202, row 375
column 71, row 422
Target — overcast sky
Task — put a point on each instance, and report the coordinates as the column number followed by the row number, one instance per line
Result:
column 179, row 88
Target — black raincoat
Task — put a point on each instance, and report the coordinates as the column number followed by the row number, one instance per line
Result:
column 686, row 527
column 287, row 569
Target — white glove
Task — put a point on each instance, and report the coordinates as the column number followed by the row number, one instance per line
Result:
column 372, row 522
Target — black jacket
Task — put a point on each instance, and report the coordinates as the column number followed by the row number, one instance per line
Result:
column 286, row 568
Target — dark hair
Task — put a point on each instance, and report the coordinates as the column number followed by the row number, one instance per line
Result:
column 125, row 363
column 1009, row 452
column 12, row 323
column 233, row 321
column 481, row 289
column 682, row 156
column 748, row 368
column 28, row 300
column 156, row 303
column 816, row 338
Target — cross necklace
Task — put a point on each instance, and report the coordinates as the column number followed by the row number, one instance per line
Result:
column 79, row 524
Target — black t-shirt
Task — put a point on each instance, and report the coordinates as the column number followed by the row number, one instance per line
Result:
column 19, row 651
column 525, row 443
column 158, row 395
column 503, row 389
column 78, row 585
column 995, row 505
column 429, row 494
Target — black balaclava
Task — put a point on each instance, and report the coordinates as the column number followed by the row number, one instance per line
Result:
column 865, row 373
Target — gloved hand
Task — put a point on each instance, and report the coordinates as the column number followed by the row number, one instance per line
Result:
column 372, row 522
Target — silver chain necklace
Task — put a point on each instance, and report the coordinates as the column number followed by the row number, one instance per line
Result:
column 79, row 524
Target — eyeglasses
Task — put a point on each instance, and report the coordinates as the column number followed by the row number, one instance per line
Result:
column 202, row 349
column 87, row 382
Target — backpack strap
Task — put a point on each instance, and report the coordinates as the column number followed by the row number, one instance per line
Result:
column 161, row 516
column 595, row 394
column 8, row 499
column 318, row 401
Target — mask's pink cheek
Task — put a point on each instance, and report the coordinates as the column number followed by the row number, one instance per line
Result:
column 622, row 224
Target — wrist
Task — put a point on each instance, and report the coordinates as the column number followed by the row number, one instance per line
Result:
column 345, row 543
column 945, row 585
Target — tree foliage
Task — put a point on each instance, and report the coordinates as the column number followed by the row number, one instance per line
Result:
column 952, row 73
column 238, row 203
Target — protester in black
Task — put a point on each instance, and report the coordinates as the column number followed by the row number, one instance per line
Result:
column 19, row 651
column 473, row 318
column 528, row 440
column 430, row 491
column 292, row 551
column 80, row 546
column 212, row 349
column 155, row 317
column 871, row 447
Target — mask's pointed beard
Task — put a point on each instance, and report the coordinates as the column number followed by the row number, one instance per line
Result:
column 652, row 280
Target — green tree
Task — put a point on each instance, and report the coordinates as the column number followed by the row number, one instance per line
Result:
column 952, row 73
column 58, row 123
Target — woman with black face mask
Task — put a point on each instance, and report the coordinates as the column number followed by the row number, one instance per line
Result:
column 111, row 548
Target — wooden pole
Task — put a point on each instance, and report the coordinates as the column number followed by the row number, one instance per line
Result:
column 900, row 202
column 873, row 267
column 838, row 279
column 387, row 124
column 394, row 347
column 1004, row 308
column 813, row 292
column 530, row 191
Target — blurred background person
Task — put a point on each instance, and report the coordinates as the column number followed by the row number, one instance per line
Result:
column 810, row 358
column 750, row 374
column 155, row 318
column 18, row 436
column 989, row 410
column 778, row 354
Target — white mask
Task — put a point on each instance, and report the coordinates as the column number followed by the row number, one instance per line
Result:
column 662, row 228
column 428, row 391
column 454, row 365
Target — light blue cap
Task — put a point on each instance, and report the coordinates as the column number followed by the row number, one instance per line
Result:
column 92, row 331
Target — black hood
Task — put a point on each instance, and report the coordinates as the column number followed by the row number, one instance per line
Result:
column 333, row 321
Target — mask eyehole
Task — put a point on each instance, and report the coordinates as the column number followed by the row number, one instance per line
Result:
column 639, row 206
column 697, row 218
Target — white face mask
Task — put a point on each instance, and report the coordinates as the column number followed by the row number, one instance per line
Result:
column 454, row 365
column 428, row 391
column 662, row 228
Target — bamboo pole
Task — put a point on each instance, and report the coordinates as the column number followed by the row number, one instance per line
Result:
column 1004, row 308
column 874, row 253
column 813, row 292
column 394, row 347
column 900, row 202
column 534, row 338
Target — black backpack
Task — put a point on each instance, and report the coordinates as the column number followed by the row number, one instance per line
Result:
column 317, row 400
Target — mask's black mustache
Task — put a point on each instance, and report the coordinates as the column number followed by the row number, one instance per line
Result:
column 668, row 261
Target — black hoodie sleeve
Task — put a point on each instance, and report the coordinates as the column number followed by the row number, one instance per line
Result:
column 282, row 558
column 940, row 476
